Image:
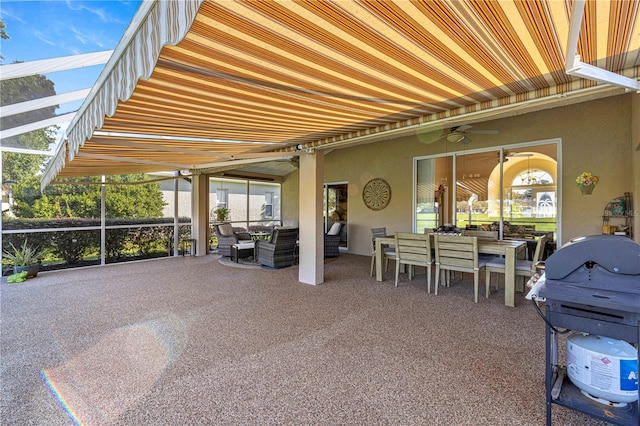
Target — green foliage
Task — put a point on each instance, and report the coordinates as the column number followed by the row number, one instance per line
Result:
column 78, row 200
column 72, row 246
column 222, row 213
column 24, row 254
column 19, row 166
column 67, row 201
column 23, row 89
column 133, row 201
column 3, row 33
column 77, row 246
column 17, row 278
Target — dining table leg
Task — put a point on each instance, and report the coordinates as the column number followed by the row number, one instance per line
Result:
column 510, row 276
column 379, row 260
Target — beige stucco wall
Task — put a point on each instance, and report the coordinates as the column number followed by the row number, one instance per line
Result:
column 596, row 136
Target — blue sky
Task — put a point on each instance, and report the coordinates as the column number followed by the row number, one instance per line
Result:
column 51, row 29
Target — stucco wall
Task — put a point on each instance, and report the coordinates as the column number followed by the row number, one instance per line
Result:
column 596, row 136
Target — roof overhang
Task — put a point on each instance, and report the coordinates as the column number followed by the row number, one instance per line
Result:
column 193, row 84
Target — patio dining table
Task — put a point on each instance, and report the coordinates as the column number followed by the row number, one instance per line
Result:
column 510, row 249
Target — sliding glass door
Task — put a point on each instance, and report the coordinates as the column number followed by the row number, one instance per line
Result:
column 336, row 209
column 512, row 190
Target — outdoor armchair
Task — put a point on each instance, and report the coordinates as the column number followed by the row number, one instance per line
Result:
column 332, row 240
column 279, row 250
column 228, row 236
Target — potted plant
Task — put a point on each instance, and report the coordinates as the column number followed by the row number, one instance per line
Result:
column 586, row 182
column 222, row 213
column 25, row 258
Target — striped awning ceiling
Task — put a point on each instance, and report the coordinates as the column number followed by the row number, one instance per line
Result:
column 195, row 84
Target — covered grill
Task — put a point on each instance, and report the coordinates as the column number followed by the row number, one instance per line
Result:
column 591, row 285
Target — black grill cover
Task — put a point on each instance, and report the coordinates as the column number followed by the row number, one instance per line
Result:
column 597, row 270
column 610, row 262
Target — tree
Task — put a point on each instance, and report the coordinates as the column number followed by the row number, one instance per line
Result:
column 22, row 168
column 3, row 34
column 18, row 167
column 77, row 200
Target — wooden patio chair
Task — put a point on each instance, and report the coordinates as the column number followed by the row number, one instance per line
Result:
column 413, row 250
column 525, row 268
column 389, row 252
column 458, row 253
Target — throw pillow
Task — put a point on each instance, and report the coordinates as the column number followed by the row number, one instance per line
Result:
column 335, row 229
column 226, row 230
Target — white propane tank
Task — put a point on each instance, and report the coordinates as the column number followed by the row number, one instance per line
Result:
column 605, row 368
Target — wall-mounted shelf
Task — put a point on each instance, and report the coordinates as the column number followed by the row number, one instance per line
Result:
column 618, row 216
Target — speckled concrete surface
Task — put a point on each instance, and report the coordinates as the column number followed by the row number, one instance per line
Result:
column 192, row 341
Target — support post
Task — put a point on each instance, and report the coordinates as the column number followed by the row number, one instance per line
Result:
column 311, row 236
column 200, row 212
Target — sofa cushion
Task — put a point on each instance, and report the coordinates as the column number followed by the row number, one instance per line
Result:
column 225, row 229
column 335, row 229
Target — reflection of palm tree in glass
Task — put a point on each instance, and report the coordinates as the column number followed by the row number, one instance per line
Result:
column 546, row 205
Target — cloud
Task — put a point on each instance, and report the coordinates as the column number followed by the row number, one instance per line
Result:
column 7, row 12
column 100, row 12
column 43, row 37
column 88, row 37
column 78, row 35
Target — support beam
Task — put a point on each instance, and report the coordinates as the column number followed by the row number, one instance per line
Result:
column 574, row 67
column 200, row 212
column 45, row 66
column 15, row 131
column 311, row 267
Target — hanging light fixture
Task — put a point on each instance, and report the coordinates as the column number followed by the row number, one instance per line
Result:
column 530, row 178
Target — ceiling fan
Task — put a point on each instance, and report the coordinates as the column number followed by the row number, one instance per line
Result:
column 459, row 133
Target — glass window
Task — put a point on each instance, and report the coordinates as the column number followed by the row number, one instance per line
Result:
column 251, row 203
column 465, row 190
column 268, row 204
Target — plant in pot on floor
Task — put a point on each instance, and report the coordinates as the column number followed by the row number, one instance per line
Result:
column 24, row 258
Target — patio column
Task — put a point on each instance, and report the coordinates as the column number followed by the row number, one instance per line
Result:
column 200, row 212
column 311, row 261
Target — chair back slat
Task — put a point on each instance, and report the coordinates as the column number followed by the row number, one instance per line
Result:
column 481, row 233
column 377, row 232
column 414, row 249
column 458, row 251
column 542, row 242
column 537, row 255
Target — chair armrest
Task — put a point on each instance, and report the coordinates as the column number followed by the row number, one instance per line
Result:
column 227, row 240
column 332, row 238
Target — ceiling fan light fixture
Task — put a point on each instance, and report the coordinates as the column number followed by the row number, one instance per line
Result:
column 456, row 137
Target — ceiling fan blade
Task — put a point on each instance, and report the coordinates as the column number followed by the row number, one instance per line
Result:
column 462, row 128
column 429, row 137
column 484, row 132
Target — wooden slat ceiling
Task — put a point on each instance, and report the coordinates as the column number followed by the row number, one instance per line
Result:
column 276, row 74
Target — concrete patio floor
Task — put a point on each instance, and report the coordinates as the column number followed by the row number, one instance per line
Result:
column 189, row 340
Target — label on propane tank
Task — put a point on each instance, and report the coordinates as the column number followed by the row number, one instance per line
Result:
column 628, row 375
column 602, row 371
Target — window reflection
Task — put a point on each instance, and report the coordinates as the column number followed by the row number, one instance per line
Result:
column 526, row 204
